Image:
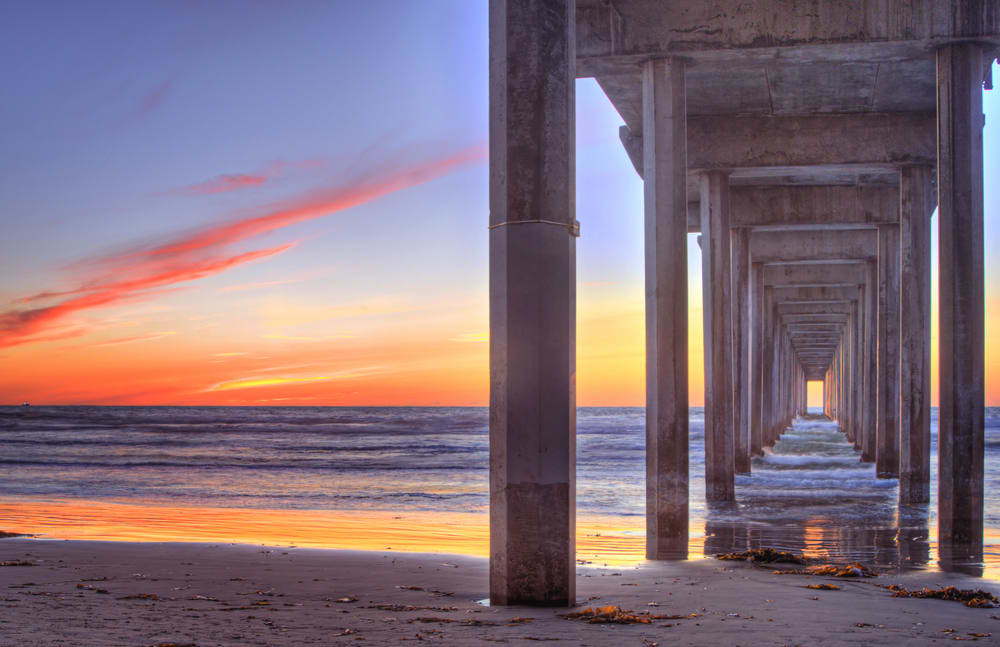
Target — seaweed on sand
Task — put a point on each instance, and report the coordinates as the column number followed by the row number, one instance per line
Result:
column 616, row 615
column 976, row 598
column 764, row 556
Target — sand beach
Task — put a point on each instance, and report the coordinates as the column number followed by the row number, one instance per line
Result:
column 133, row 593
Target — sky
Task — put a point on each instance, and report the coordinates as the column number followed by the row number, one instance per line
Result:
column 231, row 203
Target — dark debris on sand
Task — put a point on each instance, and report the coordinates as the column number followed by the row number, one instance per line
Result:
column 764, row 556
column 616, row 615
column 975, row 598
column 857, row 569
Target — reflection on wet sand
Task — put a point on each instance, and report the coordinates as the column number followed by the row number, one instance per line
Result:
column 811, row 495
column 819, row 540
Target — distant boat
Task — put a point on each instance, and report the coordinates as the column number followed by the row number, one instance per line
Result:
column 26, row 404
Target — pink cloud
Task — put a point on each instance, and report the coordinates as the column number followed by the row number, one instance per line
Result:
column 153, row 99
column 223, row 184
column 147, row 272
column 236, row 181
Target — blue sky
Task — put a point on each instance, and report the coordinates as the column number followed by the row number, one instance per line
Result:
column 124, row 122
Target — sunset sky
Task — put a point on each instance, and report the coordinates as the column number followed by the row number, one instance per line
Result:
column 236, row 203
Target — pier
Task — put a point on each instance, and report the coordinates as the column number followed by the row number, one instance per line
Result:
column 808, row 144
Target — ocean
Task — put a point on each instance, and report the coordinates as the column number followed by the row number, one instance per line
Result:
column 366, row 477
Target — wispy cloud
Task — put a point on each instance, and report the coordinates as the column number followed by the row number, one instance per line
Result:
column 235, row 181
column 222, row 184
column 145, row 272
column 137, row 338
column 257, row 382
column 298, row 278
column 147, row 103
column 473, row 337
column 154, row 98
column 20, row 326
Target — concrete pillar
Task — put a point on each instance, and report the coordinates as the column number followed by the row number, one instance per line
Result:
column 859, row 373
column 961, row 301
column 854, row 373
column 767, row 368
column 887, row 432
column 717, row 305
column 665, row 187
column 916, row 205
column 741, row 347
column 868, row 439
column 756, row 357
column 532, row 303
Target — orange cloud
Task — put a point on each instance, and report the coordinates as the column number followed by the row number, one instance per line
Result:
column 137, row 338
column 149, row 272
column 21, row 326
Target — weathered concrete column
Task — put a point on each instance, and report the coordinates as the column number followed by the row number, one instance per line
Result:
column 532, row 303
column 665, row 185
column 916, row 205
column 868, row 439
column 887, row 438
column 756, row 357
column 741, row 347
column 767, row 366
column 859, row 372
column 847, row 340
column 961, row 301
column 717, row 284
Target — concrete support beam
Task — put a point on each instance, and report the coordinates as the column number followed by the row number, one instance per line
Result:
column 857, row 350
column 870, row 385
column 826, row 273
column 916, row 205
column 814, row 245
column 716, row 258
column 756, row 356
column 665, row 191
column 817, row 319
column 741, row 347
column 841, row 308
column 768, row 335
column 753, row 141
column 615, row 36
column 887, row 430
column 850, row 376
column 961, row 300
column 816, row 293
column 771, row 206
column 532, row 304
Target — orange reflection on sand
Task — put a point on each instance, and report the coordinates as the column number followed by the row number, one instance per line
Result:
column 608, row 540
column 815, row 540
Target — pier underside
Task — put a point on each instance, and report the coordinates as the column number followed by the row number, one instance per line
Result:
column 809, row 144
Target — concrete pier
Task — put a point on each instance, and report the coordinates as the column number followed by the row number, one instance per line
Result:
column 962, row 308
column 717, row 281
column 870, row 385
column 887, row 431
column 741, row 348
column 532, row 304
column 916, row 205
column 824, row 132
column 756, row 357
column 665, row 192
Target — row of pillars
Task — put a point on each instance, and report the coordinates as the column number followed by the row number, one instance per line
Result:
column 533, row 304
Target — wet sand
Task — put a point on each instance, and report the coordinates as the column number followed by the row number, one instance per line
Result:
column 99, row 593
